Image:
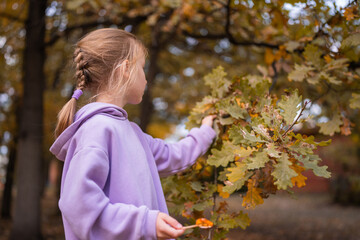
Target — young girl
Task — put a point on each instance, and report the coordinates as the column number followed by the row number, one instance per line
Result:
column 110, row 186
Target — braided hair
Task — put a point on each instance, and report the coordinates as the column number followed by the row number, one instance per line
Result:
column 96, row 59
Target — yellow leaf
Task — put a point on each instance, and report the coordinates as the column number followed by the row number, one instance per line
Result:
column 299, row 180
column 188, row 10
column 269, row 56
column 252, row 197
column 206, row 107
column 237, row 172
column 238, row 101
column 327, row 58
column 350, row 13
column 221, row 192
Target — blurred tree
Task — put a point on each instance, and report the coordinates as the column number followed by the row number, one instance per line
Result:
column 26, row 224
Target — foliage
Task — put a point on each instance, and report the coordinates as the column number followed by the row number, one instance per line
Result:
column 256, row 152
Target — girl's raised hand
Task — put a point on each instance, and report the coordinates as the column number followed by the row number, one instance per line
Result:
column 208, row 120
column 167, row 227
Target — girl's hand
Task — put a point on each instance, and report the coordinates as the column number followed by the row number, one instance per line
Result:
column 208, row 120
column 167, row 227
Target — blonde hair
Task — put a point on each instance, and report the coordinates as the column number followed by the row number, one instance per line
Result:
column 97, row 57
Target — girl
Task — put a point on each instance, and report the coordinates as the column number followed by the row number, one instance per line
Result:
column 110, row 187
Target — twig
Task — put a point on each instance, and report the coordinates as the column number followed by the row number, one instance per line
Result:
column 214, row 198
column 291, row 126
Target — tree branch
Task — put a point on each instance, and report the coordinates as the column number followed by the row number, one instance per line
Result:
column 88, row 25
column 292, row 125
column 227, row 34
column 12, row 17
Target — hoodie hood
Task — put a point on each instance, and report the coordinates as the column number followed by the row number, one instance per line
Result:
column 59, row 147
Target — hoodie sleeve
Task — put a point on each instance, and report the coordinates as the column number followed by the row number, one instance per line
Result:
column 89, row 211
column 175, row 157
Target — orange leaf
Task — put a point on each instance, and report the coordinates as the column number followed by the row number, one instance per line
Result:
column 350, row 13
column 327, row 58
column 221, row 192
column 203, row 222
column 299, row 180
column 269, row 56
column 252, row 197
column 238, row 101
column 345, row 129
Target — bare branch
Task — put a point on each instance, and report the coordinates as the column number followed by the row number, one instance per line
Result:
column 89, row 25
column 292, row 125
column 11, row 17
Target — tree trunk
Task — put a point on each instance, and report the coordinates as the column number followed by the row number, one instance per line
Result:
column 147, row 107
column 6, row 204
column 7, row 197
column 27, row 218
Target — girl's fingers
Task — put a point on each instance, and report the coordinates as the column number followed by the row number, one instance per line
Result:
column 208, row 120
column 170, row 232
column 172, row 221
column 168, row 227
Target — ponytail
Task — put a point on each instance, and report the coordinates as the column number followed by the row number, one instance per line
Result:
column 67, row 113
column 65, row 116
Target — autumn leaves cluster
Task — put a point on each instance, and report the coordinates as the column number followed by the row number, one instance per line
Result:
column 256, row 152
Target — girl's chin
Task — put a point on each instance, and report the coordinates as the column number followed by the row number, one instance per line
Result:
column 134, row 102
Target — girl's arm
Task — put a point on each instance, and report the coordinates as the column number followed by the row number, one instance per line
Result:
column 89, row 212
column 174, row 157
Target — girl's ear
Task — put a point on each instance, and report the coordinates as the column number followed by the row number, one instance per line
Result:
column 125, row 66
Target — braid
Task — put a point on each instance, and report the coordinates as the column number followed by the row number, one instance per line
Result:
column 81, row 74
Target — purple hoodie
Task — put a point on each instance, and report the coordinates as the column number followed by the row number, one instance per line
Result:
column 110, row 187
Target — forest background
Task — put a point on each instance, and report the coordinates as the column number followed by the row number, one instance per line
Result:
column 309, row 45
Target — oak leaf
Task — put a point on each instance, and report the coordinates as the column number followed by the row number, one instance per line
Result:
column 252, row 197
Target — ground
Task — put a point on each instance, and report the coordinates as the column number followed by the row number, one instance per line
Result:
column 281, row 217
column 305, row 217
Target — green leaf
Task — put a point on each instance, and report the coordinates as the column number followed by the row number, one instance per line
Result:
column 217, row 82
column 336, row 64
column 220, row 157
column 301, row 148
column 254, row 80
column 332, row 126
column 224, row 156
column 233, row 221
column 351, row 41
column 196, row 186
column 330, row 79
column 227, row 154
column 290, row 106
column 272, row 151
column 311, row 162
column 291, row 46
column 235, row 135
column 226, row 121
column 283, row 173
column 201, row 109
column 232, row 108
column 355, row 100
column 201, row 206
column 299, row 73
column 260, row 129
column 313, row 55
column 250, row 137
column 258, row 161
